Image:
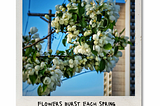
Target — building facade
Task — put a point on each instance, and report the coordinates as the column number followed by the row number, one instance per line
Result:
column 121, row 81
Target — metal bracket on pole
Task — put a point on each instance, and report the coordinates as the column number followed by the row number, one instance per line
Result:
column 44, row 19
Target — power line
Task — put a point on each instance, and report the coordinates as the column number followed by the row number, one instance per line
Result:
column 27, row 17
column 29, row 5
column 31, row 90
column 26, row 25
column 26, row 87
column 52, row 39
column 45, row 47
column 59, row 42
column 64, row 1
column 78, row 75
column 46, row 44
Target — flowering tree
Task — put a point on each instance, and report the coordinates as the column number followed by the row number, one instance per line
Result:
column 94, row 44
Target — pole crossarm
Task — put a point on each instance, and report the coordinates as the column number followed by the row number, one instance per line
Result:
column 40, row 14
column 39, row 40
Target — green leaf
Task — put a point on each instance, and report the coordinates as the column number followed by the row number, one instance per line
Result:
column 107, row 46
column 28, row 51
column 103, row 12
column 33, row 78
column 70, row 70
column 94, row 30
column 39, row 90
column 62, row 28
column 90, row 43
column 64, row 42
column 121, row 48
column 67, row 51
column 81, row 39
column 100, row 7
column 116, row 39
column 25, row 38
column 34, row 56
column 32, row 41
column 94, row 52
column 81, row 10
column 64, row 5
column 97, row 2
column 112, row 25
column 71, row 52
column 72, row 10
column 83, row 22
column 122, row 31
column 61, row 53
column 99, row 17
column 66, row 74
column 75, row 17
column 44, row 87
column 41, row 72
column 102, row 65
column 129, row 43
column 59, row 14
column 90, row 27
column 115, row 50
column 105, row 23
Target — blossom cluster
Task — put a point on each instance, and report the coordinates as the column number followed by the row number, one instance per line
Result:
column 94, row 44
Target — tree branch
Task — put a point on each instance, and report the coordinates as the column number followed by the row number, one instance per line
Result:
column 39, row 40
column 54, row 56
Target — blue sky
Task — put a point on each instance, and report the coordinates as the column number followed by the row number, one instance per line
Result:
column 89, row 84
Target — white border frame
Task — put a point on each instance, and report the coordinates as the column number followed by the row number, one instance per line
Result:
column 127, row 49
column 119, row 100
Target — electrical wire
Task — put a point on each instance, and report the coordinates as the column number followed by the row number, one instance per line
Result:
column 52, row 39
column 26, row 25
column 31, row 90
column 26, row 87
column 29, row 5
column 78, row 75
column 59, row 42
column 45, row 47
column 64, row 1
column 27, row 17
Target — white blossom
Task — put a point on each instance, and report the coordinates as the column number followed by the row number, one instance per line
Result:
column 119, row 54
column 31, row 72
column 73, row 1
column 37, row 61
column 71, row 61
column 97, row 48
column 95, row 37
column 33, row 30
column 47, row 80
column 39, row 46
column 35, row 36
column 37, row 67
column 57, row 7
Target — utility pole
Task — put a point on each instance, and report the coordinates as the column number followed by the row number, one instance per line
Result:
column 41, row 15
column 49, row 30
